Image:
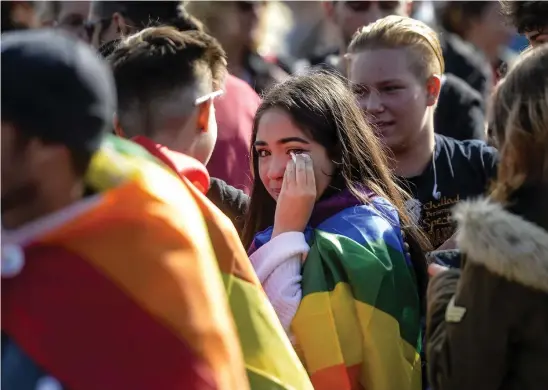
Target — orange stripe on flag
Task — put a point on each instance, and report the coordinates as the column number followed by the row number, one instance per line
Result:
column 337, row 377
column 162, row 261
column 231, row 256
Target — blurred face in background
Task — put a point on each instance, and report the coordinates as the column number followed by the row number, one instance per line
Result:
column 349, row 16
column 105, row 28
column 393, row 97
column 489, row 32
column 537, row 38
column 233, row 23
column 19, row 15
column 72, row 18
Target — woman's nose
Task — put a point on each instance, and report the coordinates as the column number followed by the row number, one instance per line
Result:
column 373, row 103
column 277, row 167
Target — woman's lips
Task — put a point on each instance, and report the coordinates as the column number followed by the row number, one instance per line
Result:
column 382, row 126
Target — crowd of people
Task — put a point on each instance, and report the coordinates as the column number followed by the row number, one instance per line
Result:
column 183, row 210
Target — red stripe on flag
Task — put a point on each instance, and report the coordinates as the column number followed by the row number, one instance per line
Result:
column 85, row 331
column 337, row 377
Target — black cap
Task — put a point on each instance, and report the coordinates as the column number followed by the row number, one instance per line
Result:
column 56, row 88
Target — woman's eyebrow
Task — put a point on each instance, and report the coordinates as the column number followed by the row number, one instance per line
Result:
column 283, row 141
column 292, row 139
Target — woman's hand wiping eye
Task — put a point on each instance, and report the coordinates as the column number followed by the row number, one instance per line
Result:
column 297, row 196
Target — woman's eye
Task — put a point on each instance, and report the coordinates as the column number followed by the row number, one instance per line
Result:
column 391, row 88
column 296, row 151
column 262, row 153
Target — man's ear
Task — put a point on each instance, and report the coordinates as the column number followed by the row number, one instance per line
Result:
column 433, row 87
column 204, row 108
column 118, row 127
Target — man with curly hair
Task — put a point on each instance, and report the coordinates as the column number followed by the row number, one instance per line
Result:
column 530, row 18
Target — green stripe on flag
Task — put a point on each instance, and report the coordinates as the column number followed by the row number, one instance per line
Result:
column 379, row 276
column 270, row 359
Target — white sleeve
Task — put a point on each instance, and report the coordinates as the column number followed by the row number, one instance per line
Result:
column 278, row 266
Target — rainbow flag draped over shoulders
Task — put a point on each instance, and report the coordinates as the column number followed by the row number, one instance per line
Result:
column 123, row 291
column 269, row 358
column 358, row 324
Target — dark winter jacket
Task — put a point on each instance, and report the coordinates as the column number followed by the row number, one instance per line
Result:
column 487, row 324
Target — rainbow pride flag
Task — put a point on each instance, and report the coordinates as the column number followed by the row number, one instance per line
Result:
column 358, row 324
column 123, row 290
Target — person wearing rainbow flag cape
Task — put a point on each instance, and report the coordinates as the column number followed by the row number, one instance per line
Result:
column 330, row 239
column 109, row 278
column 189, row 67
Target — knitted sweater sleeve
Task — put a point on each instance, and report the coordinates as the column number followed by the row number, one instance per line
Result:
column 278, row 266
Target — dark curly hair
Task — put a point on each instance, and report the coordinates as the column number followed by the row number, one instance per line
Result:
column 526, row 15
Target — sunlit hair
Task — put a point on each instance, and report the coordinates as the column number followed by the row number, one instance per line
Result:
column 324, row 108
column 519, row 121
column 395, row 32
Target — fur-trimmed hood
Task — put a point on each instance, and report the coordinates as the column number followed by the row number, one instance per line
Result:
column 506, row 244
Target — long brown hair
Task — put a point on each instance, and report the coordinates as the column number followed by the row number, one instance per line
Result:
column 324, row 108
column 519, row 121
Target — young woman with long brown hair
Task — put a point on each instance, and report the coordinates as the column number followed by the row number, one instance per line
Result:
column 331, row 241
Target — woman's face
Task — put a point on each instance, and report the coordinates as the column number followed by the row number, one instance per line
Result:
column 393, row 96
column 277, row 137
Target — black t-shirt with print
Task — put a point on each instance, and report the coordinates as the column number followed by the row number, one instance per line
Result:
column 463, row 169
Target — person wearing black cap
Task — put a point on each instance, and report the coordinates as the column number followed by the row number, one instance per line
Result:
column 58, row 101
column 103, row 270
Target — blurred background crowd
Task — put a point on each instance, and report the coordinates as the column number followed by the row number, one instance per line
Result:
column 266, row 40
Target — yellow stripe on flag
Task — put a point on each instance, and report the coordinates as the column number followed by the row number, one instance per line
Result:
column 390, row 362
column 267, row 351
column 332, row 328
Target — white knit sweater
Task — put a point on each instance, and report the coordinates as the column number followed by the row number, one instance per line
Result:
column 278, row 266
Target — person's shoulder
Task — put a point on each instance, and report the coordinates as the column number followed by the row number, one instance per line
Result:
column 471, row 152
column 455, row 47
column 225, row 191
column 232, row 201
column 469, row 146
column 458, row 89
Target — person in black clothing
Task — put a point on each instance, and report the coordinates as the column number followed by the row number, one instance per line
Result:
column 530, row 18
column 166, row 82
column 395, row 66
column 460, row 108
column 473, row 39
column 460, row 113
